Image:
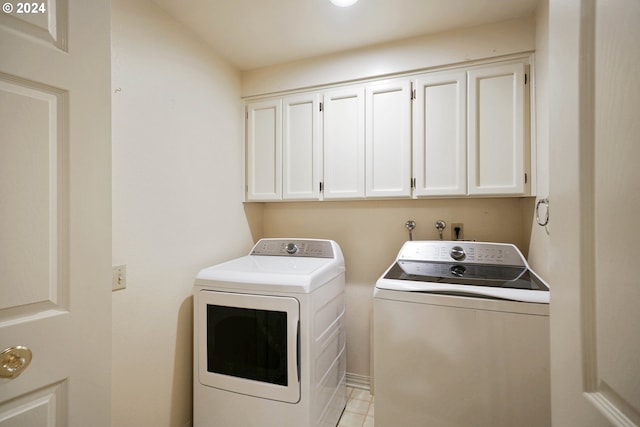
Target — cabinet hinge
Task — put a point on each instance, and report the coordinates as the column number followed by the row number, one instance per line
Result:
column 525, row 178
column 412, row 184
column 321, row 107
column 321, row 187
column 525, row 78
column 413, row 94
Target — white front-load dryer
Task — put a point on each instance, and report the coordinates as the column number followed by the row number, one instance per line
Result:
column 269, row 337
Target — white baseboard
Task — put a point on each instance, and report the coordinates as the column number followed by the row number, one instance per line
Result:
column 359, row 381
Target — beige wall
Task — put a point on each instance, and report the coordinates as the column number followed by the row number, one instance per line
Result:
column 420, row 53
column 176, row 203
column 370, row 234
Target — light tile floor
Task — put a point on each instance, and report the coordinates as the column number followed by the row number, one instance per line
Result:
column 359, row 410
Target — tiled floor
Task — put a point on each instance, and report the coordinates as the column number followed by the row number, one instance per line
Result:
column 359, row 410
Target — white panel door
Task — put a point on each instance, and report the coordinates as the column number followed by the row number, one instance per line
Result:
column 388, row 140
column 615, row 375
column 440, row 134
column 55, row 213
column 264, row 150
column 496, row 116
column 301, row 147
column 343, row 143
column 595, row 198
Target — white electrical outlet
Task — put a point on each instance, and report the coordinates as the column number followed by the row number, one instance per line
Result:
column 119, row 277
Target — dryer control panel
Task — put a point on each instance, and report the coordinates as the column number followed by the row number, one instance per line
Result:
column 294, row 248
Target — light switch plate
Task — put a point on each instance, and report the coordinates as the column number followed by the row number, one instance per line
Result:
column 119, row 277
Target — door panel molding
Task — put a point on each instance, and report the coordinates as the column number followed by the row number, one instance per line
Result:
column 34, row 178
column 41, row 408
column 49, row 25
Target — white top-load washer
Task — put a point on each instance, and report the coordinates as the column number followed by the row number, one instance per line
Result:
column 269, row 337
column 461, row 338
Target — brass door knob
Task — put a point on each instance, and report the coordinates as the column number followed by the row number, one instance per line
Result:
column 14, row 360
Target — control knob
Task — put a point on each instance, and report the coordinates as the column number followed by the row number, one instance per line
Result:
column 291, row 248
column 457, row 253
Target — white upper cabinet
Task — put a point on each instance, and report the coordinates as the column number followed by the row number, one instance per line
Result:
column 283, row 148
column 264, row 150
column 343, row 143
column 497, row 139
column 466, row 133
column 388, row 139
column 301, row 147
column 440, row 134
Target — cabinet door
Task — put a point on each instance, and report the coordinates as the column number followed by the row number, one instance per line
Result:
column 264, row 150
column 497, row 138
column 300, row 145
column 388, row 140
column 343, row 143
column 440, row 134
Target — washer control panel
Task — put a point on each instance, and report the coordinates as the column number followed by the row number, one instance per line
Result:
column 294, row 248
column 462, row 252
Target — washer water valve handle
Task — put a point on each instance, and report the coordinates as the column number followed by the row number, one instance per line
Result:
column 440, row 226
column 410, row 225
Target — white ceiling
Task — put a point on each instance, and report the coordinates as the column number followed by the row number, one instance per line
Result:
column 257, row 33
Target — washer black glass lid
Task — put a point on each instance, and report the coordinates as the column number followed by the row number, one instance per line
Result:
column 501, row 276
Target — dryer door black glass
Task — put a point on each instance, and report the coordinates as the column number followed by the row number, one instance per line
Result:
column 247, row 343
